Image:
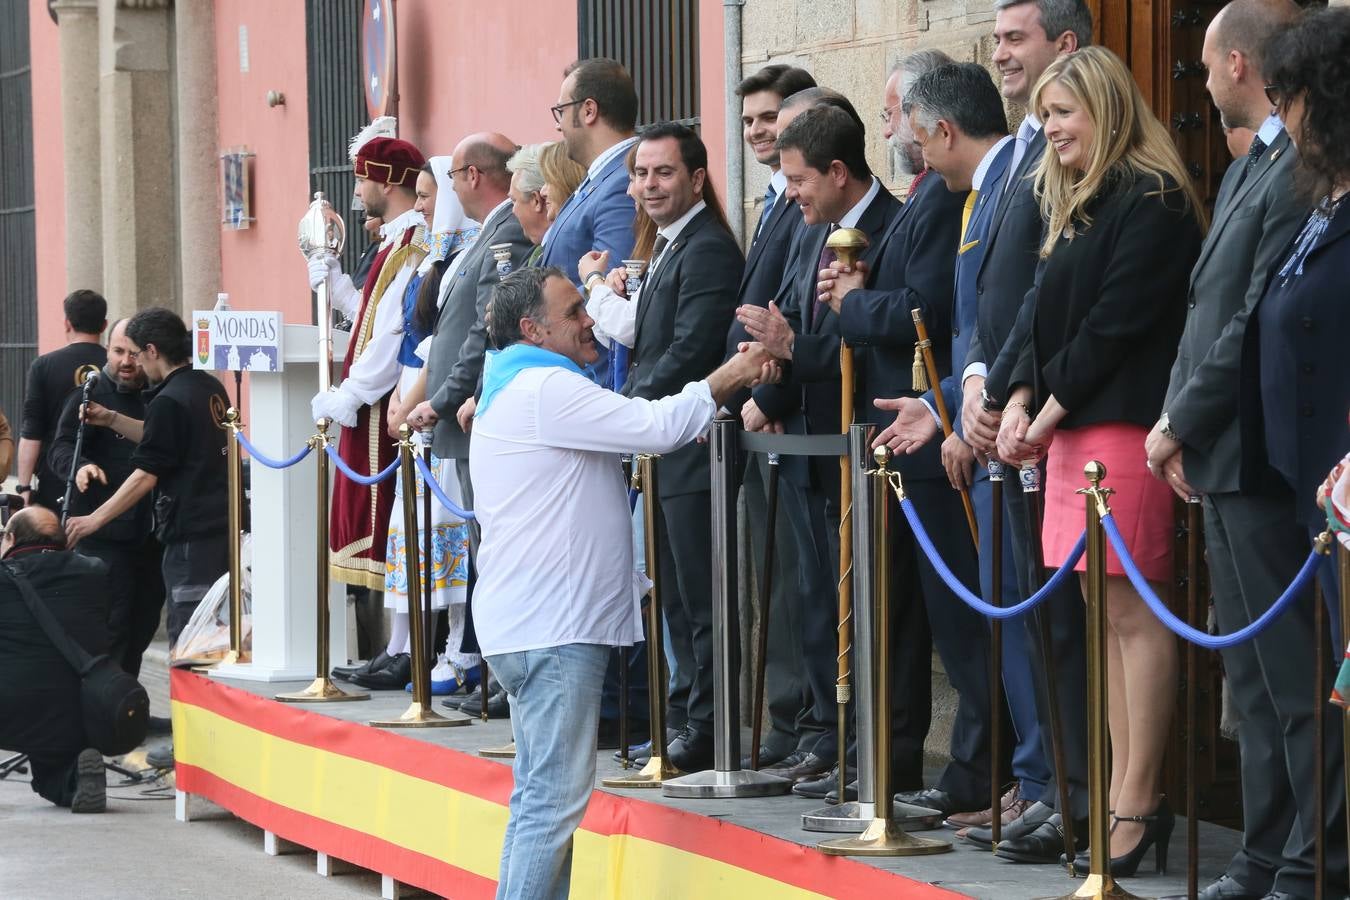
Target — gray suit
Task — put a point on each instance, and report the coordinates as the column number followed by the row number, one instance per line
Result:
column 1254, row 544
column 460, row 336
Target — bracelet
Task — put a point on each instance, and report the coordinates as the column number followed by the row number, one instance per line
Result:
column 1011, row 403
column 587, row 282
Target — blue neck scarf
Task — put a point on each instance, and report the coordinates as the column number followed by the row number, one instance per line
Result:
column 499, row 367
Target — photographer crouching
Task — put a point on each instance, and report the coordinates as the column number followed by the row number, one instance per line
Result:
column 40, row 713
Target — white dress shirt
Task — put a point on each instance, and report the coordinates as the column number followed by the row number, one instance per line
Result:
column 616, row 318
column 556, row 560
column 850, row 218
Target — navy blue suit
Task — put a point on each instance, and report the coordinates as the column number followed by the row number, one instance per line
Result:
column 598, row 216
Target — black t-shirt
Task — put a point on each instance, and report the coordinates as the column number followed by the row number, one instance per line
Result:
column 184, row 446
column 51, row 378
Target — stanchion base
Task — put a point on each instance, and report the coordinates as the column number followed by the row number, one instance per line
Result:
column 1101, row 887
column 505, row 751
column 229, row 659
column 883, row 838
column 853, row 818
column 656, row 773
column 418, row 716
column 714, row 784
column 321, row 690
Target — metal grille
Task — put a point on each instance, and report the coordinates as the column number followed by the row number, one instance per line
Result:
column 657, row 41
column 18, row 252
column 337, row 109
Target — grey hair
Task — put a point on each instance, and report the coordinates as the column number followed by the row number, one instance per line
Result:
column 519, row 295
column 919, row 62
column 525, row 163
column 961, row 93
column 1059, row 16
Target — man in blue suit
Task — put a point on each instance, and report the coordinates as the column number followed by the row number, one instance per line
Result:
column 957, row 116
column 596, row 114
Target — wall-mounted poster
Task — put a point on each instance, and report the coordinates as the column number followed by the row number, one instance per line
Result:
column 234, row 203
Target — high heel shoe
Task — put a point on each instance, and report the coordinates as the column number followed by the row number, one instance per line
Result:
column 1157, row 833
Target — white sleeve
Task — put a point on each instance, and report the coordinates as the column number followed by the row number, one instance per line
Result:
column 343, row 295
column 615, row 316
column 576, row 414
column 375, row 372
column 975, row 368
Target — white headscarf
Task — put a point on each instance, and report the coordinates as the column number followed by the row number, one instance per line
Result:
column 448, row 222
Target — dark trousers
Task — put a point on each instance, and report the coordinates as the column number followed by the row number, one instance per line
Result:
column 190, row 568
column 1030, row 764
column 54, row 775
column 1255, row 549
column 1067, row 653
column 136, row 596
column 686, row 582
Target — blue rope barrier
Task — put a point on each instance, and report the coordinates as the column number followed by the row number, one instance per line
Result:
column 352, row 475
column 1195, row 636
column 268, row 461
column 976, row 603
column 429, row 477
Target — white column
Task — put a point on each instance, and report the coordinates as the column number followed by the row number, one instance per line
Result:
column 80, row 142
column 198, row 163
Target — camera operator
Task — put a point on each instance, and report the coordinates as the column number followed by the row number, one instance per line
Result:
column 112, row 429
column 39, row 690
column 181, row 458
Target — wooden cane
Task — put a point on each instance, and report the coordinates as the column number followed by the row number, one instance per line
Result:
column 765, row 598
column 1192, row 694
column 1319, row 740
column 996, row 699
column 925, row 347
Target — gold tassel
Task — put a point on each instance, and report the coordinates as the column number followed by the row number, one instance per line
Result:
column 919, row 372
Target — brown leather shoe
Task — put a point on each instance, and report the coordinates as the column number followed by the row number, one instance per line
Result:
column 1010, row 801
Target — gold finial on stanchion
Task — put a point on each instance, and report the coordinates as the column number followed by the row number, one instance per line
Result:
column 659, row 768
column 321, row 689
column 1100, row 883
column 419, row 713
column 883, row 836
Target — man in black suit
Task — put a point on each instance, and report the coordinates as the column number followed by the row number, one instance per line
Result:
column 1031, row 34
column 830, row 180
column 795, row 722
column 1255, row 546
column 680, row 319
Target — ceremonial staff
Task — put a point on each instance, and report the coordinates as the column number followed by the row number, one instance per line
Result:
column 923, row 362
column 847, row 245
column 322, row 233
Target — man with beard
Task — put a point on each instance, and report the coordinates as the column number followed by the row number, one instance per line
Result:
column 112, row 429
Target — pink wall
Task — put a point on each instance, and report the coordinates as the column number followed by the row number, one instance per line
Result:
column 481, row 67
column 48, row 177
column 711, row 97
column 261, row 267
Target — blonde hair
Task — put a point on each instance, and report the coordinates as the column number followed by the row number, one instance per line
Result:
column 1127, row 140
column 561, row 173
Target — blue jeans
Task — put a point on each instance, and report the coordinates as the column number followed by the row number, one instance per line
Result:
column 555, row 708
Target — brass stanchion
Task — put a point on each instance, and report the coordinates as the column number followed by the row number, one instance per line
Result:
column 1320, row 638
column 883, row 836
column 428, row 585
column 765, row 600
column 658, row 769
column 419, row 713
column 924, row 350
column 234, row 465
column 322, row 689
column 1343, row 557
column 1100, row 883
column 1192, row 694
column 996, row 699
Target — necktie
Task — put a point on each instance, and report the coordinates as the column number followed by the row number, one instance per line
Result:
column 1254, row 152
column 657, row 249
column 1025, row 132
column 770, row 197
column 965, row 219
column 914, row 185
column 827, row 256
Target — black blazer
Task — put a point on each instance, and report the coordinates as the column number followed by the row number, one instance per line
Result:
column 915, row 270
column 1293, row 408
column 1008, row 270
column 683, row 314
column 1110, row 306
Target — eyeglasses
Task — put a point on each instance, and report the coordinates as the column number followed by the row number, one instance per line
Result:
column 453, row 172
column 558, row 109
column 1275, row 94
column 887, row 112
column 135, row 354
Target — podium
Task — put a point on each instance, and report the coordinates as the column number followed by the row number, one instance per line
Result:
column 284, row 530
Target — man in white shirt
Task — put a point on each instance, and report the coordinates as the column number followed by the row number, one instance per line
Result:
column 556, row 562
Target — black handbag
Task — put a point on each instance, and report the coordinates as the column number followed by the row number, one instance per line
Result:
column 113, row 705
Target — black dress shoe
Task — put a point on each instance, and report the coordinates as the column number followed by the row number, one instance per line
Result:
column 1045, row 845
column 850, row 791
column 158, row 725
column 800, row 766
column 498, row 706
column 819, row 788
column 932, row 798
column 767, row 757
column 392, row 676
column 1022, row 826
column 1157, row 834
column 345, row 673
column 1222, row 888
column 691, row 752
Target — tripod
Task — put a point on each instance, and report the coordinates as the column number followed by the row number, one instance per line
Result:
column 16, row 763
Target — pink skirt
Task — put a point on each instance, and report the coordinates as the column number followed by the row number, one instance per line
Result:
column 1141, row 504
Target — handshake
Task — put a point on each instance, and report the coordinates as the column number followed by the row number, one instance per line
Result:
column 752, row 364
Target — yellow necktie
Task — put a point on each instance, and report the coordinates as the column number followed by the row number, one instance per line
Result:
column 965, row 222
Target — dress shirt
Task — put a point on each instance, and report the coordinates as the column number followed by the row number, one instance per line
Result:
column 598, row 164
column 850, row 218
column 1270, row 129
column 456, row 267
column 777, row 184
column 616, row 317
column 1025, row 132
column 556, row 561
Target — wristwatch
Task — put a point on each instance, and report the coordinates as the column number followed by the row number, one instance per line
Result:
column 1165, row 426
column 24, row 488
column 987, row 402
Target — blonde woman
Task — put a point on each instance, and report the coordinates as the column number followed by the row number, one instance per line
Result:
column 1124, row 229
column 561, row 174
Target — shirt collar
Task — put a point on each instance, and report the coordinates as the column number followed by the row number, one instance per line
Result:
column 598, row 164
column 672, row 231
column 495, row 210
column 1270, row 129
column 982, row 170
column 778, row 181
column 1030, row 125
column 410, row 219
column 850, row 218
